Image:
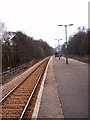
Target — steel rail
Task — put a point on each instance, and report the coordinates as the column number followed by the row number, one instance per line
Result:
column 30, row 96
column 21, row 82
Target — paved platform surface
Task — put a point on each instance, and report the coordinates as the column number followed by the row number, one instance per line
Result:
column 65, row 91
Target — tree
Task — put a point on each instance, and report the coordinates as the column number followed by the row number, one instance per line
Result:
column 2, row 31
column 78, row 43
column 18, row 48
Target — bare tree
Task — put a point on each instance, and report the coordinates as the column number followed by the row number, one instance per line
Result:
column 2, row 31
column 78, row 43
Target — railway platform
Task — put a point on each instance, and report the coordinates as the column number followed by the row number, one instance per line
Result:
column 65, row 92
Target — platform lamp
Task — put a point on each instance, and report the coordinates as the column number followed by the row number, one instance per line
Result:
column 66, row 41
column 59, row 47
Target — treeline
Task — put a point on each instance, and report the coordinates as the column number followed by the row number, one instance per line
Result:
column 18, row 48
column 78, row 44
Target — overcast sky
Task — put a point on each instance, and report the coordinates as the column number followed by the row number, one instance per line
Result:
column 40, row 18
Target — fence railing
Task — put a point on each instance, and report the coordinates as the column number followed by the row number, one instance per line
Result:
column 17, row 69
column 9, row 72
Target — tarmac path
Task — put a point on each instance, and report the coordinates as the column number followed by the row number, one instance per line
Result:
column 72, row 82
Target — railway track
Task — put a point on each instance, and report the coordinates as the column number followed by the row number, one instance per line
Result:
column 20, row 101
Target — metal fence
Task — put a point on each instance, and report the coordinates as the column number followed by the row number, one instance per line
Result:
column 9, row 72
column 17, row 69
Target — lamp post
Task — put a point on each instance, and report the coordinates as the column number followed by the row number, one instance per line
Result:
column 66, row 41
column 59, row 47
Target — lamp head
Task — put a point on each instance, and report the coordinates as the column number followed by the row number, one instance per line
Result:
column 60, row 25
column 70, row 24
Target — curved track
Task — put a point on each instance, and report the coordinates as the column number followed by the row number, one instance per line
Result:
column 20, row 101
